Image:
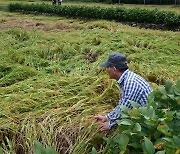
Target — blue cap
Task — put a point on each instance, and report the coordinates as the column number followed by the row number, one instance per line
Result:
column 117, row 60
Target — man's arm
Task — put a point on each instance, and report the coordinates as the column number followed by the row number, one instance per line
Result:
column 130, row 93
column 114, row 115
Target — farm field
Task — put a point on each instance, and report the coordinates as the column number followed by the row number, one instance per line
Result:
column 51, row 82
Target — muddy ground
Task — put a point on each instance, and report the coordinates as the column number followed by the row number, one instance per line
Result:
column 11, row 22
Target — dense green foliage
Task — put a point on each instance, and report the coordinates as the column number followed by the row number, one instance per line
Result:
column 170, row 19
column 149, row 1
column 176, row 2
column 151, row 128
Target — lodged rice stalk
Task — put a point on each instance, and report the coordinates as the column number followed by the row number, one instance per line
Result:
column 65, row 122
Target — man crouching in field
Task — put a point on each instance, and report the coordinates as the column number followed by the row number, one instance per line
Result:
column 133, row 87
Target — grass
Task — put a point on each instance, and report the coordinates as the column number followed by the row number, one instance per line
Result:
column 51, row 82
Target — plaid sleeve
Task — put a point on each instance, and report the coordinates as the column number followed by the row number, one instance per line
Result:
column 113, row 115
column 129, row 94
column 112, row 123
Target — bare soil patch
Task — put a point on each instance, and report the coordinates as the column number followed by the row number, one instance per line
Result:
column 8, row 23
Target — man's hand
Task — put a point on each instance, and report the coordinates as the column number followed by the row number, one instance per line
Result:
column 104, row 126
column 100, row 118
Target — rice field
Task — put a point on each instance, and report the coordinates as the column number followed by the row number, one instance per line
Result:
column 51, row 82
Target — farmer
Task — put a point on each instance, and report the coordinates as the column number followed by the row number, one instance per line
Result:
column 59, row 2
column 53, row 2
column 133, row 87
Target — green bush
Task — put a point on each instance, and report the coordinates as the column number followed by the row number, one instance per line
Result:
column 169, row 19
column 150, row 129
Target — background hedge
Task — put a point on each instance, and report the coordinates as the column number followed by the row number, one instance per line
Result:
column 161, row 2
column 156, row 16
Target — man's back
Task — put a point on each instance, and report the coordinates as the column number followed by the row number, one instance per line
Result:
column 134, row 87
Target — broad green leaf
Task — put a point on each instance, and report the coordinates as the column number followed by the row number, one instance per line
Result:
column 123, row 142
column 178, row 114
column 150, row 112
column 124, row 122
column 137, row 127
column 168, row 85
column 151, row 101
column 170, row 114
column 127, row 131
column 134, row 104
column 151, row 123
column 1, row 152
column 164, row 129
column 39, row 148
column 143, row 110
column 116, row 139
column 150, row 98
column 160, row 152
column 171, row 96
column 170, row 150
column 107, row 140
column 177, row 91
column 168, row 139
column 170, row 145
column 50, row 150
column 142, row 133
column 176, row 141
column 169, row 142
column 149, row 147
column 94, row 151
column 178, row 99
column 115, row 150
column 124, row 108
column 162, row 90
column 123, row 115
column 147, row 112
column 178, row 85
column 134, row 114
column 135, row 145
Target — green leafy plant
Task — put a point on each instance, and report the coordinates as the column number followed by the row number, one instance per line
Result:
column 40, row 149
